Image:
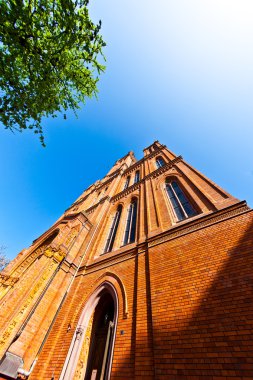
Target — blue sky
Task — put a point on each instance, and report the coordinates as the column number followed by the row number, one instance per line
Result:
column 178, row 71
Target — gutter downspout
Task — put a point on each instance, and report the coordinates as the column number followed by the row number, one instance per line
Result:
column 23, row 372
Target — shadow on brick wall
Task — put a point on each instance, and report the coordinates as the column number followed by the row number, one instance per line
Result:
column 216, row 342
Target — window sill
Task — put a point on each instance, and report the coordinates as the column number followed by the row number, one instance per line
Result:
column 176, row 222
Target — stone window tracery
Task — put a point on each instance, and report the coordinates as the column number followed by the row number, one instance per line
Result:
column 137, row 176
column 113, row 230
column 130, row 230
column 160, row 162
column 127, row 183
column 180, row 204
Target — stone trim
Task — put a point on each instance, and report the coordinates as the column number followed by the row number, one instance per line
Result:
column 69, row 367
column 7, row 280
column 92, row 208
column 108, row 261
column 164, row 168
column 127, row 191
column 206, row 221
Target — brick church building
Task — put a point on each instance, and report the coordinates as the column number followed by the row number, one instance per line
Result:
column 148, row 275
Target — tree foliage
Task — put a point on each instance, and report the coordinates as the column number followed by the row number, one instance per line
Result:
column 49, row 52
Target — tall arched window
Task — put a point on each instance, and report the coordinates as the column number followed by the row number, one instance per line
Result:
column 160, row 162
column 180, row 204
column 127, row 182
column 113, row 230
column 130, row 231
column 137, row 176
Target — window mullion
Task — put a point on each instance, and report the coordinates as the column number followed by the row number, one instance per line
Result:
column 111, row 233
column 108, row 241
column 113, row 228
column 131, row 221
column 125, row 236
column 180, row 204
column 134, row 219
column 173, row 210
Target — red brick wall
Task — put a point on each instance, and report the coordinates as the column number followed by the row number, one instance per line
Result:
column 202, row 303
column 190, row 309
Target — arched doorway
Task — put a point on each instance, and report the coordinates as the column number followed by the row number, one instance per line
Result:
column 101, row 339
column 93, row 340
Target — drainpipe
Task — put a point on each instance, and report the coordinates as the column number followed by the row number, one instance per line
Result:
column 25, row 373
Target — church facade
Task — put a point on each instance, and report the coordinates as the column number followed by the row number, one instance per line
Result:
column 148, row 275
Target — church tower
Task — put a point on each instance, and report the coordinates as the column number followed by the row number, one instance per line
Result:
column 147, row 275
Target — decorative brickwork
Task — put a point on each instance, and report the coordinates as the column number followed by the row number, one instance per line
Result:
column 174, row 303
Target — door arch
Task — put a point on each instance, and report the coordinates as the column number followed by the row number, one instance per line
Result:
column 102, row 306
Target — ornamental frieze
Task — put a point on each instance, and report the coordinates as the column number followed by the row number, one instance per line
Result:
column 25, row 264
column 7, row 280
column 20, row 315
column 72, row 235
column 57, row 254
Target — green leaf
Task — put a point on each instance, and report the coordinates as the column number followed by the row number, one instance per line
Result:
column 49, row 53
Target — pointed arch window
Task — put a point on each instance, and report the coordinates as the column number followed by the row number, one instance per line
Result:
column 181, row 205
column 130, row 231
column 160, row 162
column 113, row 230
column 127, row 182
column 137, row 176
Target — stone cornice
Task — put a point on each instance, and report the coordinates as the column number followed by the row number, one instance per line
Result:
column 78, row 202
column 111, row 177
column 133, row 167
column 127, row 191
column 163, row 168
column 68, row 266
column 199, row 223
column 108, row 260
column 92, row 208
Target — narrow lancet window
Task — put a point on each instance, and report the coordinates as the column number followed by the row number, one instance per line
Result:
column 160, row 162
column 137, row 176
column 180, row 204
column 127, row 183
column 131, row 223
column 113, row 230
